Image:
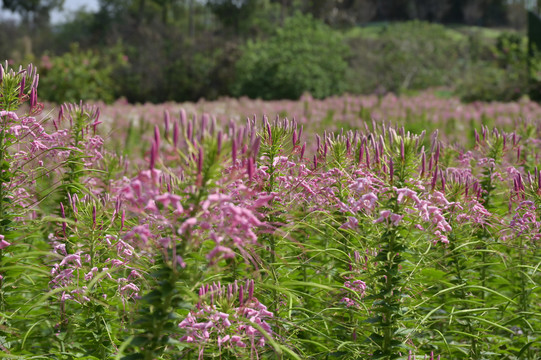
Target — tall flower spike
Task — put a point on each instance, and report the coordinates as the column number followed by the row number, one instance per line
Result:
column 402, row 151
column 157, row 136
column 391, row 169
column 166, row 123
column 21, row 87
column 269, row 134
column 367, row 159
column 63, row 213
column 250, row 168
column 33, row 98
column 241, row 295
column 234, row 150
column 189, row 130
column 176, row 134
column 183, row 118
column 423, row 164
column 434, row 178
column 302, row 150
column 251, row 289
column 442, row 182
column 153, row 154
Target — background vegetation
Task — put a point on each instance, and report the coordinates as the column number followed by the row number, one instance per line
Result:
column 179, row 50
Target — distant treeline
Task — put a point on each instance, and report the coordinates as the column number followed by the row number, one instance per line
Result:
column 176, row 50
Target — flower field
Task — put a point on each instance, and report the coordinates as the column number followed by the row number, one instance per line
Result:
column 344, row 228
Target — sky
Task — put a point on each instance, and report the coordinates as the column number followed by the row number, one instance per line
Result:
column 58, row 17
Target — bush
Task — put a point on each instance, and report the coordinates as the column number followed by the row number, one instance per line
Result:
column 503, row 76
column 304, row 55
column 403, row 56
column 79, row 75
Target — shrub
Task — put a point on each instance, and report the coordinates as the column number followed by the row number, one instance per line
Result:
column 304, row 55
column 403, row 56
column 503, row 75
column 79, row 75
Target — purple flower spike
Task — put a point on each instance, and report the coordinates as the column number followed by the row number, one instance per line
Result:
column 423, row 164
column 153, row 155
column 251, row 289
column 442, row 181
column 234, row 151
column 204, row 122
column 269, row 133
column 183, row 117
column 200, row 161
column 63, row 213
column 367, row 159
column 294, row 138
column 21, row 86
column 255, row 147
column 434, row 178
column 189, row 131
column 219, row 139
column 315, row 162
column 166, row 122
column 157, row 136
column 241, row 295
column 176, row 134
column 302, row 150
column 33, row 98
column 250, row 168
column 391, row 169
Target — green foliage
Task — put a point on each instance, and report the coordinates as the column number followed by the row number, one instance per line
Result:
column 503, row 75
column 304, row 55
column 80, row 75
column 403, row 56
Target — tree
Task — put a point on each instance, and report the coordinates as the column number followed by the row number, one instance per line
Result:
column 303, row 56
column 233, row 14
column 33, row 12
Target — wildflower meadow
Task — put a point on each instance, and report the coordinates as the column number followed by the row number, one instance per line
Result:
column 353, row 227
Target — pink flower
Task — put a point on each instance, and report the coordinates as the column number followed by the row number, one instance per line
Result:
column 384, row 214
column 351, row 224
column 221, row 251
column 395, row 219
column 75, row 258
column 3, row 243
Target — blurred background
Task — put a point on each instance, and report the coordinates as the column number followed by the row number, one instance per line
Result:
column 185, row 50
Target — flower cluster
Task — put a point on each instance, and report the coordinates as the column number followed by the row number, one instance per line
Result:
column 229, row 317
